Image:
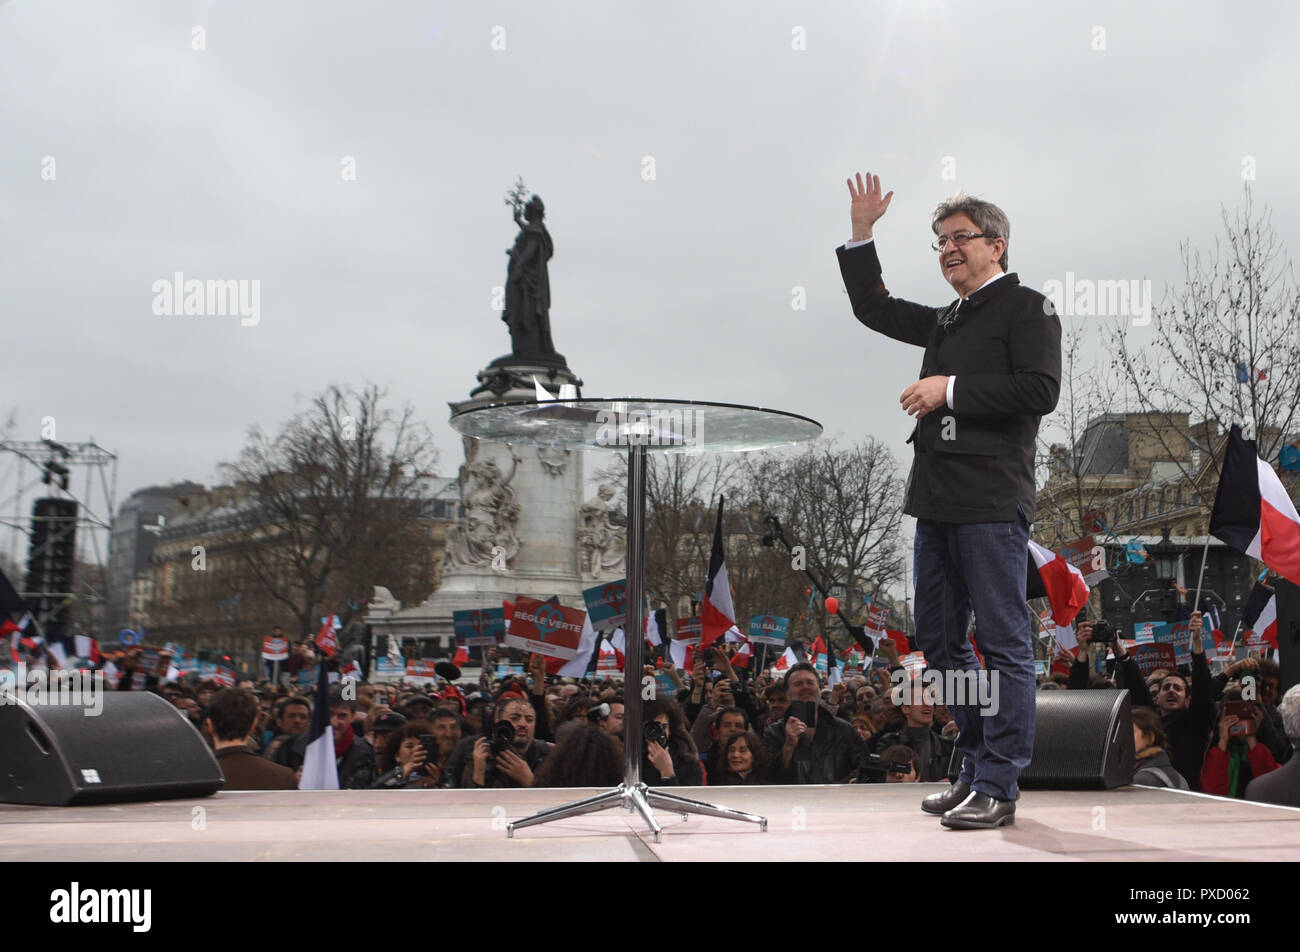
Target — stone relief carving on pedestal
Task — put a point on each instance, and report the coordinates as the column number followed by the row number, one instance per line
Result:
column 553, row 459
column 602, row 545
column 489, row 512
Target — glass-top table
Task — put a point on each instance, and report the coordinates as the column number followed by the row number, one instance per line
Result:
column 619, row 424
column 636, row 426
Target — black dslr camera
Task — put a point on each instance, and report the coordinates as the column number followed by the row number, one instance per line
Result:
column 503, row 737
column 874, row 768
column 655, row 733
column 1102, row 633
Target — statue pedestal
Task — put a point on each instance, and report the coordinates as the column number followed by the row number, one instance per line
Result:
column 521, row 512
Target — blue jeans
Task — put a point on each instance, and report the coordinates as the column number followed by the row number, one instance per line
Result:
column 982, row 567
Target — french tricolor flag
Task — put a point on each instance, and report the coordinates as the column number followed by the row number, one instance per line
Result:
column 1259, row 616
column 618, row 641
column 741, row 658
column 1059, row 581
column 717, row 615
column 320, row 770
column 1252, row 512
column 88, row 648
column 653, row 628
column 683, row 656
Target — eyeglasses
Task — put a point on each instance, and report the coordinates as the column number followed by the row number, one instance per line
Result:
column 957, row 238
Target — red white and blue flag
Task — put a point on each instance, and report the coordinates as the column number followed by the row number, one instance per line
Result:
column 1057, row 580
column 1259, row 616
column 1252, row 512
column 717, row 614
column 320, row 770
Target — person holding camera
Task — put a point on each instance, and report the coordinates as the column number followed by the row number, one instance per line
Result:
column 810, row 744
column 409, row 759
column 669, row 756
column 1267, row 678
column 1237, row 757
column 1127, row 672
column 506, row 755
column 725, row 693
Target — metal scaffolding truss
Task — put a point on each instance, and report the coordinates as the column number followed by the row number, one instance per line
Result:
column 33, row 469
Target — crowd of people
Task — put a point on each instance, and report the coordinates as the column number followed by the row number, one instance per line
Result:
column 1226, row 734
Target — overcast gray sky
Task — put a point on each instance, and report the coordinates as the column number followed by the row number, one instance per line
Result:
column 1109, row 132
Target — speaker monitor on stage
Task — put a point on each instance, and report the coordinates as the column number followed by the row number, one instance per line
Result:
column 138, row 747
column 1083, row 740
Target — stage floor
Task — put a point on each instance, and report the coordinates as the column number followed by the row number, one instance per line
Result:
column 876, row 822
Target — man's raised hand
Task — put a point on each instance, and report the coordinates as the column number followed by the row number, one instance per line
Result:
column 867, row 205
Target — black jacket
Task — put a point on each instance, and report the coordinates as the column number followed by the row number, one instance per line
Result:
column 833, row 756
column 459, row 769
column 1187, row 731
column 975, row 462
column 687, row 770
column 356, row 767
column 932, row 749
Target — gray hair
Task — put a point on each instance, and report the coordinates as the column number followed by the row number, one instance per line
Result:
column 988, row 218
column 1290, row 710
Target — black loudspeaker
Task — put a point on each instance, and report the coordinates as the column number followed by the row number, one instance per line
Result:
column 1083, row 740
column 138, row 747
column 1288, row 631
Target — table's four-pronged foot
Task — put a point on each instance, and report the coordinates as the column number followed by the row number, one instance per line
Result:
column 641, row 799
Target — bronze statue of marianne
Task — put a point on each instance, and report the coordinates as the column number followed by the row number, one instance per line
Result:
column 528, row 288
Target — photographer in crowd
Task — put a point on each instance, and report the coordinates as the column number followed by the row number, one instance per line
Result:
column 810, row 744
column 508, row 757
column 407, row 761
column 1237, row 756
column 934, row 751
column 669, row 755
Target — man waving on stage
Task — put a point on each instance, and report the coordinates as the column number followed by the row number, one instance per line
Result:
column 991, row 370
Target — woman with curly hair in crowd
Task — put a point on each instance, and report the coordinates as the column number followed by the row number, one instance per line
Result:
column 404, row 762
column 677, row 762
column 583, row 756
column 742, row 760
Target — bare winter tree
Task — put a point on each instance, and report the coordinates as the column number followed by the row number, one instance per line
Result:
column 1066, row 458
column 335, row 505
column 682, row 490
column 1237, row 315
column 845, row 506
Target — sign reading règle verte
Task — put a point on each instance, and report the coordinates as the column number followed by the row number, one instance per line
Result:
column 546, row 628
